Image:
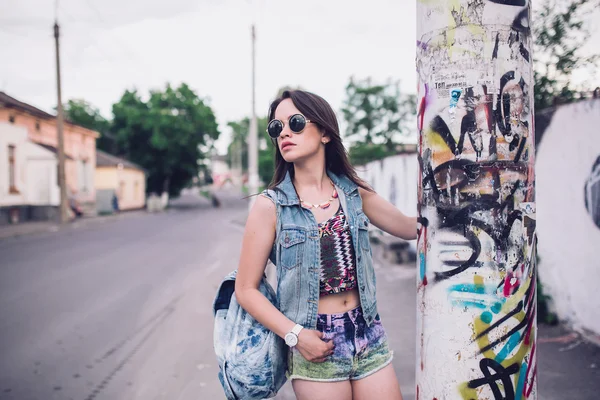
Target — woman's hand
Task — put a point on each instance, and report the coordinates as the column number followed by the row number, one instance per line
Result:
column 312, row 346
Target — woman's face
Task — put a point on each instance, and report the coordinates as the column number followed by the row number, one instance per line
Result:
column 297, row 146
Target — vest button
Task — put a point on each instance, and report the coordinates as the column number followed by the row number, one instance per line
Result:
column 366, row 223
column 359, row 258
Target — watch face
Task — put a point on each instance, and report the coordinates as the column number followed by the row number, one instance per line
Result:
column 291, row 339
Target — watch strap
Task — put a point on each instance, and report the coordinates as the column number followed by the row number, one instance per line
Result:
column 296, row 329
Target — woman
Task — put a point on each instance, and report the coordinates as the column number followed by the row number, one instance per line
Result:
column 313, row 225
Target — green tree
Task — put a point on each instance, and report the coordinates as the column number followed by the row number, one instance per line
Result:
column 165, row 135
column 376, row 115
column 560, row 32
column 82, row 113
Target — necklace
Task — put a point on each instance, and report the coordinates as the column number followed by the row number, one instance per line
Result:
column 323, row 205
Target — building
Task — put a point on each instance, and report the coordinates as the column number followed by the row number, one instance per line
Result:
column 29, row 181
column 79, row 145
column 220, row 171
column 120, row 179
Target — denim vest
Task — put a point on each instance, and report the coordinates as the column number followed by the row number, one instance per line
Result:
column 297, row 252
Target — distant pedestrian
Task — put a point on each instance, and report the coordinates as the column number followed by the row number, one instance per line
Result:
column 216, row 203
column 115, row 203
column 312, row 223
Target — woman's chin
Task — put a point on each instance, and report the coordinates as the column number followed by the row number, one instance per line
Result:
column 289, row 157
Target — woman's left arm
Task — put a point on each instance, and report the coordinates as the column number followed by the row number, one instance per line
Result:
column 387, row 217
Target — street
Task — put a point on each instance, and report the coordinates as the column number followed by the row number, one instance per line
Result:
column 122, row 310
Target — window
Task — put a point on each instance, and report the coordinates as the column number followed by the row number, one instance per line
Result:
column 83, row 175
column 11, row 119
column 12, row 181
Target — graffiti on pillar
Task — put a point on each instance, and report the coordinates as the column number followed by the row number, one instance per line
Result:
column 592, row 193
column 476, row 193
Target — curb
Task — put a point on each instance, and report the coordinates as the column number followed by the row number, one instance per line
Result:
column 33, row 228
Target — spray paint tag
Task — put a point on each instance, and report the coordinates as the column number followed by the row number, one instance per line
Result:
column 527, row 208
column 454, row 96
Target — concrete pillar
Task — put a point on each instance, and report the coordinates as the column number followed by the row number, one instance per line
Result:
column 476, row 333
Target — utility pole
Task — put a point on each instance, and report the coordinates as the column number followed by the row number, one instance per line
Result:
column 253, row 135
column 64, row 205
column 476, row 250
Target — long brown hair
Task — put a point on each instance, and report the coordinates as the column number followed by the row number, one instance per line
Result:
column 318, row 111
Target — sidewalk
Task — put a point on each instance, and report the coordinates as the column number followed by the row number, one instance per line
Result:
column 32, row 228
column 568, row 364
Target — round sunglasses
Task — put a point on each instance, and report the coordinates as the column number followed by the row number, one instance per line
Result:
column 297, row 123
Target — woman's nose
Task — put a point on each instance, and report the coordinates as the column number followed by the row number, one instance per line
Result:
column 286, row 132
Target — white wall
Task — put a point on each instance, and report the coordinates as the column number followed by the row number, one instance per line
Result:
column 11, row 135
column 569, row 241
column 395, row 179
column 35, row 170
column 41, row 176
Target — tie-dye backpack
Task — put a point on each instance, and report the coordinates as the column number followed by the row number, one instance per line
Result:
column 252, row 359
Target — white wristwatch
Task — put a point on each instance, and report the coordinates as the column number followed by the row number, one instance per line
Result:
column 291, row 338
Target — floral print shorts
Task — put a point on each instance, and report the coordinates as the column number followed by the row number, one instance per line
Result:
column 360, row 350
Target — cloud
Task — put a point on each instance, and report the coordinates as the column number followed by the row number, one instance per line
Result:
column 112, row 45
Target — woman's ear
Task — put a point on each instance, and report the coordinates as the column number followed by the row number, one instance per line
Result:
column 324, row 137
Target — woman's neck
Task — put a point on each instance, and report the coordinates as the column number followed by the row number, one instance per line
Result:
column 310, row 176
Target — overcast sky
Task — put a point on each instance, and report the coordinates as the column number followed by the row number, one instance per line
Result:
column 108, row 46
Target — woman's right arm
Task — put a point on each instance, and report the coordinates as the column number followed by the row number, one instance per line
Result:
column 259, row 236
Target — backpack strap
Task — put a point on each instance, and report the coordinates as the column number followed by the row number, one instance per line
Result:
column 272, row 195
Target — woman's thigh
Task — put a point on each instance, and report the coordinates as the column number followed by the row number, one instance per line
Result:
column 382, row 385
column 310, row 390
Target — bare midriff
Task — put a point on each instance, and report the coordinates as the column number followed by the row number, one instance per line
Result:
column 338, row 303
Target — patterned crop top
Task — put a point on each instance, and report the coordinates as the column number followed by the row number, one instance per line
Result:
column 338, row 266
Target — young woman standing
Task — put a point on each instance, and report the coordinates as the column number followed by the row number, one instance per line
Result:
column 312, row 223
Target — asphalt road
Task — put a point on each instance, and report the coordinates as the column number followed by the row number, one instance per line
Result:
column 122, row 310
column 118, row 310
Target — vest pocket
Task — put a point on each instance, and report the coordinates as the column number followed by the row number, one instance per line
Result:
column 362, row 221
column 292, row 244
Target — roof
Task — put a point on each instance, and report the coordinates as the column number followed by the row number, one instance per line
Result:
column 53, row 149
column 10, row 102
column 7, row 101
column 104, row 159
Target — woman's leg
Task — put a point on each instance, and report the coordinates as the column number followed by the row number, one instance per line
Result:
column 310, row 390
column 382, row 385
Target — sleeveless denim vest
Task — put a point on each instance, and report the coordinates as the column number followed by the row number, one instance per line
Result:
column 297, row 252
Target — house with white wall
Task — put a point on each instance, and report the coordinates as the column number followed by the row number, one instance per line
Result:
column 28, row 179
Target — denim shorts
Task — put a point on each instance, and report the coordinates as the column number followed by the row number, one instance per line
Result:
column 360, row 350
